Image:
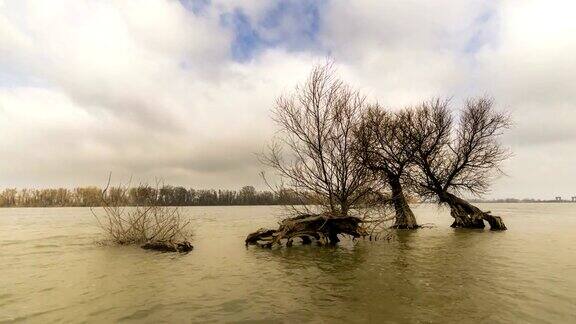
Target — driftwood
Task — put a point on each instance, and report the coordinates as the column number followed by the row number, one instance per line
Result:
column 322, row 228
column 165, row 246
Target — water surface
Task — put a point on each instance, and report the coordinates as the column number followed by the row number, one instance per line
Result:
column 51, row 271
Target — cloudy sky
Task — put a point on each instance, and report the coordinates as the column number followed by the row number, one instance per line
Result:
column 182, row 89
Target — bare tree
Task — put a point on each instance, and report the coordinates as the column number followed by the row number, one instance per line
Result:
column 457, row 157
column 383, row 147
column 316, row 124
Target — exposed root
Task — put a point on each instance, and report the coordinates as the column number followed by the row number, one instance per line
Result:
column 165, row 246
column 322, row 228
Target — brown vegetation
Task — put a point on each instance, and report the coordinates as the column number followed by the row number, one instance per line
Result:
column 148, row 224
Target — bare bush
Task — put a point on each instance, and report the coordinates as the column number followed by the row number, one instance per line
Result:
column 146, row 222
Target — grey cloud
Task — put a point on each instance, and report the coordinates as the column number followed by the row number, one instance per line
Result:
column 153, row 91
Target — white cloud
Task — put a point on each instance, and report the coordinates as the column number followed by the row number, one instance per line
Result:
column 530, row 68
column 404, row 51
column 142, row 88
column 150, row 89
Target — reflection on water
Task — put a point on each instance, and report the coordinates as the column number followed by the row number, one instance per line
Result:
column 51, row 271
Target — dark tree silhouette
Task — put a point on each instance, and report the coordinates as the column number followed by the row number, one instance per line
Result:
column 457, row 157
column 384, row 149
column 317, row 123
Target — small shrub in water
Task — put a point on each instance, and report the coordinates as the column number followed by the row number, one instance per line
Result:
column 145, row 222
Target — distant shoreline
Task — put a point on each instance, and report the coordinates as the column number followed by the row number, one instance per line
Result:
column 522, row 201
column 256, row 205
column 8, row 207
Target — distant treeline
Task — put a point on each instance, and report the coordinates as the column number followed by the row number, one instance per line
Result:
column 165, row 196
column 515, row 200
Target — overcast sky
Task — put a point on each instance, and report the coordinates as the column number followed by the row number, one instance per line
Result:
column 182, row 89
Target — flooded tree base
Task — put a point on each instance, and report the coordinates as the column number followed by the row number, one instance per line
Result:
column 405, row 218
column 163, row 246
column 323, row 228
column 467, row 215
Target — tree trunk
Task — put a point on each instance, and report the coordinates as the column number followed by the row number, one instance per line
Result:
column 467, row 215
column 324, row 228
column 405, row 218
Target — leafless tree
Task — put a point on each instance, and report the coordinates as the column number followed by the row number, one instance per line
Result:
column 457, row 157
column 383, row 147
column 145, row 223
column 316, row 123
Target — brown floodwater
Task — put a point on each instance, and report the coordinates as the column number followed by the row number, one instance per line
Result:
column 52, row 271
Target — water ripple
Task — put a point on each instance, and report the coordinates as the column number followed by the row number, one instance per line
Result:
column 53, row 272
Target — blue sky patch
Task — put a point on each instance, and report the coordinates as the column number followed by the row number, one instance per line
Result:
column 481, row 34
column 293, row 25
column 246, row 39
column 196, row 6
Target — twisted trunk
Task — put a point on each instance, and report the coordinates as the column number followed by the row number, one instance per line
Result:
column 467, row 215
column 405, row 218
column 323, row 228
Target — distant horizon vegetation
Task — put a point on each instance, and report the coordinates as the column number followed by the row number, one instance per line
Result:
column 168, row 195
column 165, row 195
